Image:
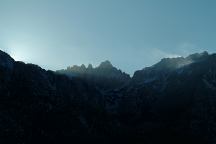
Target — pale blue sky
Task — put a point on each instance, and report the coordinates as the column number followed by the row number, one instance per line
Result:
column 131, row 34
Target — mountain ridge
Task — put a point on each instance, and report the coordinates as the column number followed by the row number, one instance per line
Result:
column 179, row 61
column 171, row 102
column 105, row 76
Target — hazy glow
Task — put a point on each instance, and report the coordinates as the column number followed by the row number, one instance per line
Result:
column 186, row 63
column 18, row 56
column 18, row 52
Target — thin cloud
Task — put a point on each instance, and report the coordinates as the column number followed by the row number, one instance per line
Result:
column 158, row 53
column 187, row 48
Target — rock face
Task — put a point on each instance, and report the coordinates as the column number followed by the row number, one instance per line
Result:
column 105, row 76
column 171, row 102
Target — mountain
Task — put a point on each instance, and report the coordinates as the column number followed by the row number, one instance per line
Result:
column 39, row 106
column 166, row 66
column 105, row 76
column 173, row 101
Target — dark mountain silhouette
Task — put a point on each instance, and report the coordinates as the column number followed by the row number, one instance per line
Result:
column 38, row 106
column 166, row 66
column 171, row 102
column 105, row 76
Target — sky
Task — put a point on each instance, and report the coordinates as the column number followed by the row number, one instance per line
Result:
column 132, row 34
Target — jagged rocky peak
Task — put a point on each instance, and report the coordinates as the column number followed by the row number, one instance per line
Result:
column 178, row 62
column 83, row 67
column 76, row 68
column 105, row 76
column 90, row 66
column 105, row 64
column 168, row 65
column 198, row 56
column 5, row 60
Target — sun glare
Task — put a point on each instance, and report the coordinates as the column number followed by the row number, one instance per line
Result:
column 18, row 54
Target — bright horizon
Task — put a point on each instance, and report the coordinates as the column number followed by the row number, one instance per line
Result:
column 130, row 34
